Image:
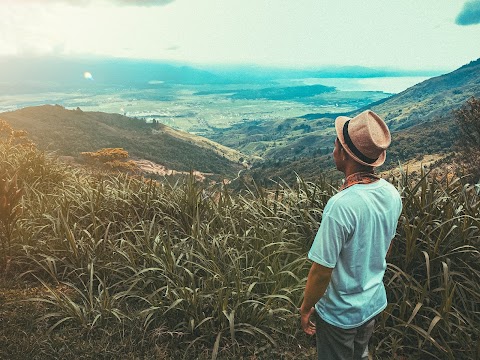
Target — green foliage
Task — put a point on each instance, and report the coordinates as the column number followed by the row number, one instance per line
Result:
column 433, row 137
column 283, row 93
column 208, row 273
column 467, row 119
column 433, row 276
column 10, row 211
column 70, row 132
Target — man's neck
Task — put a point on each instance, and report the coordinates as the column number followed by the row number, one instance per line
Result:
column 351, row 169
column 362, row 176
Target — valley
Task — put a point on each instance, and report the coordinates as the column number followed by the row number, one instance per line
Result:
column 199, row 109
column 275, row 125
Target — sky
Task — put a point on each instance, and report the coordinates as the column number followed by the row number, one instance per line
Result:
column 399, row 34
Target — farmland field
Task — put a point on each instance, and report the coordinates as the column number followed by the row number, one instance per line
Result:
column 181, row 107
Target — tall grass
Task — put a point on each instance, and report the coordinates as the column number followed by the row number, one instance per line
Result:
column 433, row 275
column 219, row 274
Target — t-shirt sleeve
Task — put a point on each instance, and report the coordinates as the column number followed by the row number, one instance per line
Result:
column 328, row 242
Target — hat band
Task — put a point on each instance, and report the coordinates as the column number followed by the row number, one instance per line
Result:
column 353, row 148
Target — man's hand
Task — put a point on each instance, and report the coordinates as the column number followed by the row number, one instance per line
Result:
column 307, row 325
column 317, row 282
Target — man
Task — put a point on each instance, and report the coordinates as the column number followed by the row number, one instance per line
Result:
column 344, row 289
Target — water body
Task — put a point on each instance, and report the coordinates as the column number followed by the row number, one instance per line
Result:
column 391, row 85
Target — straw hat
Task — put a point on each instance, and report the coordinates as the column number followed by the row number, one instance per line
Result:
column 364, row 137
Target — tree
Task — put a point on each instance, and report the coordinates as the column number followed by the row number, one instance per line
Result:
column 468, row 139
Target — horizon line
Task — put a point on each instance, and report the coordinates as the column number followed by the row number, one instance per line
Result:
column 232, row 65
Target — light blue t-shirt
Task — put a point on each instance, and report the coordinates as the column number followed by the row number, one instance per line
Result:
column 357, row 227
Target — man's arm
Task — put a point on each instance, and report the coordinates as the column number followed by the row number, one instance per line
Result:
column 317, row 282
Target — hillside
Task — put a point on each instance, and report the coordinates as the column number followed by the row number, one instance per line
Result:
column 288, row 144
column 423, row 102
column 432, row 99
column 420, row 119
column 70, row 132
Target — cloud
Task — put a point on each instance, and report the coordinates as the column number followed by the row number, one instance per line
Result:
column 142, row 2
column 43, row 2
column 470, row 14
column 117, row 2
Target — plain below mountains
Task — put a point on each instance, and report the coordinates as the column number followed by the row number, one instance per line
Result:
column 70, row 132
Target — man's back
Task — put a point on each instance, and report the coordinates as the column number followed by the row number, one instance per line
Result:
column 357, row 227
column 345, row 282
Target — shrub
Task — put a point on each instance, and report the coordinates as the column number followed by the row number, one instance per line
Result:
column 468, row 120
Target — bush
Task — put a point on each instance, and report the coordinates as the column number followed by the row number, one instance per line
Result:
column 468, row 120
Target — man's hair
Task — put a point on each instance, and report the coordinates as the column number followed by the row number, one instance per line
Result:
column 362, row 167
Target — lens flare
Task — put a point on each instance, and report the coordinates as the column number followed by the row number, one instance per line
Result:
column 88, row 75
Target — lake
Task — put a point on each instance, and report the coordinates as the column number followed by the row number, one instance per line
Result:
column 391, row 85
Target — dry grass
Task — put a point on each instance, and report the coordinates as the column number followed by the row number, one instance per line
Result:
column 135, row 269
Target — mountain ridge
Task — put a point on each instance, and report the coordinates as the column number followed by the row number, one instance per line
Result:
column 43, row 73
column 70, row 132
column 420, row 119
column 435, row 97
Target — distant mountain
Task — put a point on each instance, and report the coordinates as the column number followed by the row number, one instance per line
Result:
column 262, row 74
column 42, row 74
column 421, row 116
column 70, row 132
column 423, row 102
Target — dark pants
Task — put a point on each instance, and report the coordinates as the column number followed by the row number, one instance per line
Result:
column 334, row 343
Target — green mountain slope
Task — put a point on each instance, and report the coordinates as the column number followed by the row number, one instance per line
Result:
column 420, row 119
column 70, row 132
column 431, row 99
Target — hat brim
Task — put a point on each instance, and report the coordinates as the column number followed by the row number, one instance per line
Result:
column 339, row 123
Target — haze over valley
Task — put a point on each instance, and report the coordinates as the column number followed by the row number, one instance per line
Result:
column 192, row 99
column 214, row 102
column 274, row 119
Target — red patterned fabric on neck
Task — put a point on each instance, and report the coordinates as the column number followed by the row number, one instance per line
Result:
column 359, row 178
